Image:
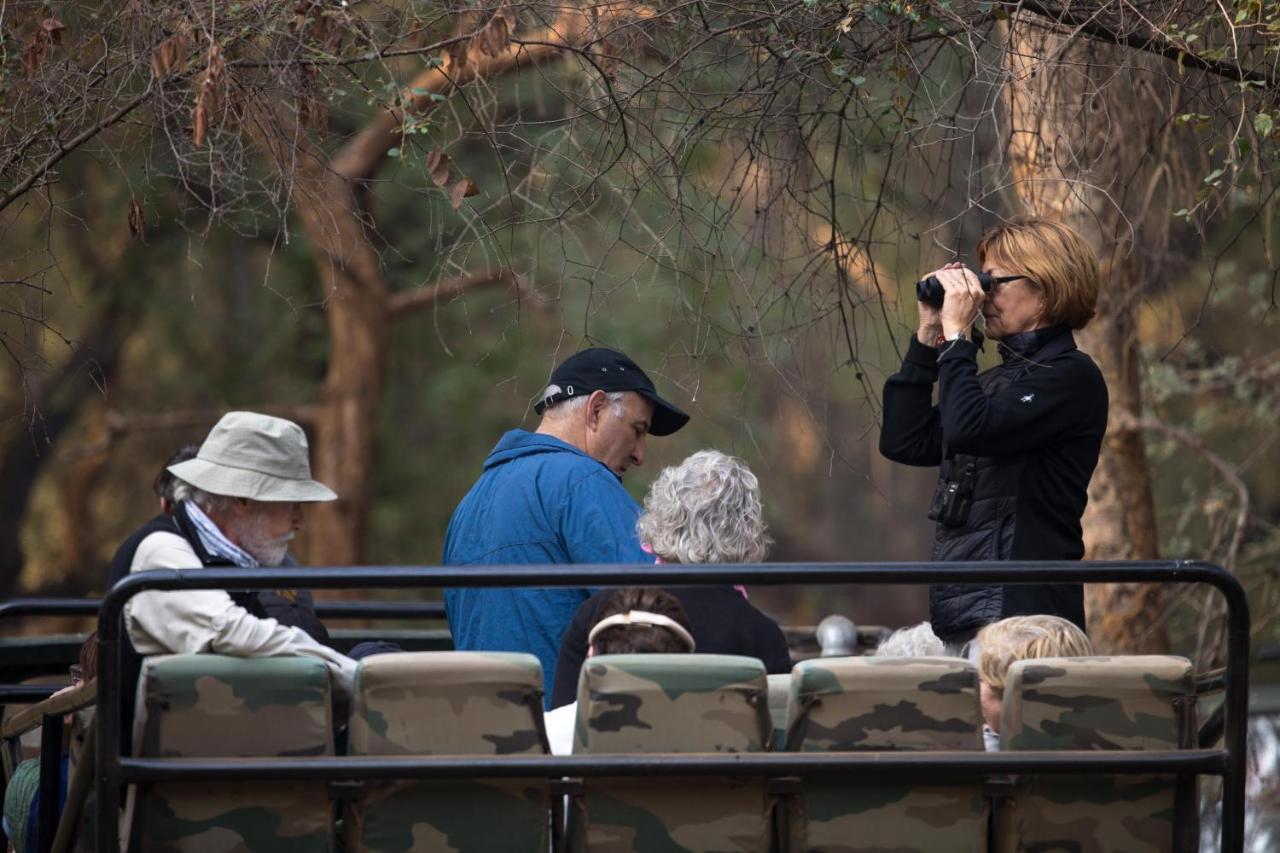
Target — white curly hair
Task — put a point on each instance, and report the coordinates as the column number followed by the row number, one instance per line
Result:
column 705, row 510
column 916, row 641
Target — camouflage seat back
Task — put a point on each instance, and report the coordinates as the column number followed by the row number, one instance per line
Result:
column 212, row 706
column 875, row 703
column 1129, row 703
column 489, row 703
column 672, row 703
column 448, row 703
column 885, row 704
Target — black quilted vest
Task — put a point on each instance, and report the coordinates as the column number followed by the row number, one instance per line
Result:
column 991, row 532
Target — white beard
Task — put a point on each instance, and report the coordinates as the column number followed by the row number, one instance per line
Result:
column 268, row 552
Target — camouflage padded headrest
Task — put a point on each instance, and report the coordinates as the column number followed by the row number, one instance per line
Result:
column 441, row 703
column 216, row 706
column 672, row 703
column 1131, row 702
column 884, row 703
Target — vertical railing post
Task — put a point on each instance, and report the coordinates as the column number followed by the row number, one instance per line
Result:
column 50, row 786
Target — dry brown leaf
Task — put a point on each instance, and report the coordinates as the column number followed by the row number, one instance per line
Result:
column 53, row 29
column 34, row 51
column 464, row 188
column 438, row 166
column 200, row 122
column 216, row 63
column 170, row 53
column 495, row 37
column 206, row 100
column 137, row 221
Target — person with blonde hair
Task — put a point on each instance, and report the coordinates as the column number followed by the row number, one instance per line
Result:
column 1002, row 644
column 1017, row 444
column 707, row 509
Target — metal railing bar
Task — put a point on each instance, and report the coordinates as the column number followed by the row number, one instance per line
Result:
column 951, row 764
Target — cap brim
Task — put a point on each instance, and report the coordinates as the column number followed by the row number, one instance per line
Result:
column 666, row 417
column 241, row 483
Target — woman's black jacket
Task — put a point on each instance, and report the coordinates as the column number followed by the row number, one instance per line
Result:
column 1027, row 433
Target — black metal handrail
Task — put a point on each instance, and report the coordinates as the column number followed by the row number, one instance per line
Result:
column 50, row 606
column 1230, row 762
column 948, row 764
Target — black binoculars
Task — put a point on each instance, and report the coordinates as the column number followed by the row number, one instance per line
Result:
column 930, row 292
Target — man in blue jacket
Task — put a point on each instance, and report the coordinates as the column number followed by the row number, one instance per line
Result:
column 555, row 496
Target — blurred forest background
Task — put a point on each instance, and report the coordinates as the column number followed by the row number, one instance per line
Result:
column 388, row 220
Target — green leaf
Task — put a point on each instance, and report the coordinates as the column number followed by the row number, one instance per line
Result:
column 1263, row 124
column 393, row 152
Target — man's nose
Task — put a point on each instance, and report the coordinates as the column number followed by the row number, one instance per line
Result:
column 637, row 452
column 295, row 517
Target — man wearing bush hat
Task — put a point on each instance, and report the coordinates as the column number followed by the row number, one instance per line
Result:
column 239, row 504
column 555, row 496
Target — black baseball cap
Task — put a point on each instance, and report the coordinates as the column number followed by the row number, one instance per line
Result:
column 601, row 369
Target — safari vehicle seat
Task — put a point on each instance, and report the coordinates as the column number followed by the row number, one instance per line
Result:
column 448, row 703
column 1143, row 702
column 860, row 704
column 212, row 706
column 672, row 703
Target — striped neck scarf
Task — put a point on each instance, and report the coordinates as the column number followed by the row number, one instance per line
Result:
column 215, row 542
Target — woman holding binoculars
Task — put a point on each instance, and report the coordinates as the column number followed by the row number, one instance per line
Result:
column 1016, row 444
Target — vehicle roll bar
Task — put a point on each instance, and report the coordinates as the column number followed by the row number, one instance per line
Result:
column 115, row 770
column 16, row 607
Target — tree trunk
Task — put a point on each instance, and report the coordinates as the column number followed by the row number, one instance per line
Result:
column 330, row 202
column 1078, row 136
column 1119, row 521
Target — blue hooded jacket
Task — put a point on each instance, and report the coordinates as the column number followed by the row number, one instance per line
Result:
column 539, row 500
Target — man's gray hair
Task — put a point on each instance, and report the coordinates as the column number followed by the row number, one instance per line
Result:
column 914, row 642
column 184, row 491
column 573, row 404
column 705, row 510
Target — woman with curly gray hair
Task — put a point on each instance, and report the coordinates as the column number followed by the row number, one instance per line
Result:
column 705, row 510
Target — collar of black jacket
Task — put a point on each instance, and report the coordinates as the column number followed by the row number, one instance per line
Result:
column 1026, row 344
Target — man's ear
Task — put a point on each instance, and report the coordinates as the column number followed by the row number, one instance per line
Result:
column 595, row 408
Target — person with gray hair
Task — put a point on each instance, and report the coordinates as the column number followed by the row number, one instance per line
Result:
column 707, row 509
column 916, row 641
column 555, row 496
column 239, row 505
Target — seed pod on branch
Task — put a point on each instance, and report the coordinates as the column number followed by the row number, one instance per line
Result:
column 464, row 188
column 438, row 166
column 207, row 98
column 171, row 53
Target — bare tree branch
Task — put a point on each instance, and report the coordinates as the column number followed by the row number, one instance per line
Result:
column 65, row 148
column 1148, row 42
column 408, row 301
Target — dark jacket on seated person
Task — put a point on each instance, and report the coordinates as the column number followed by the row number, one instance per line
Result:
column 723, row 622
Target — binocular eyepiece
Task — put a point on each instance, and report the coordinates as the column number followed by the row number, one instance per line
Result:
column 930, row 291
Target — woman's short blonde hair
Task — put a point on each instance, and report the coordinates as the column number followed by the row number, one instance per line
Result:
column 705, row 510
column 1004, row 643
column 1055, row 258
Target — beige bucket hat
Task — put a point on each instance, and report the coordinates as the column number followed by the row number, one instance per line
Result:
column 248, row 455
